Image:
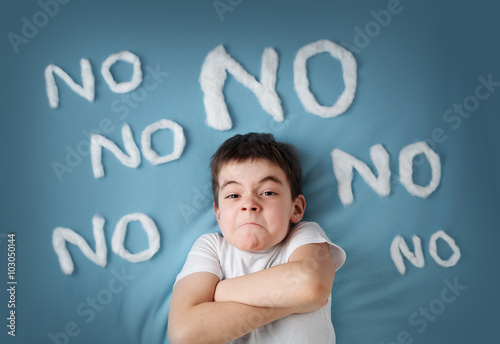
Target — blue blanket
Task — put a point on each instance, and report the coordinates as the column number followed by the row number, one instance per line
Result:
column 92, row 240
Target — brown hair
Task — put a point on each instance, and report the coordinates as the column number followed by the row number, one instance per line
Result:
column 258, row 146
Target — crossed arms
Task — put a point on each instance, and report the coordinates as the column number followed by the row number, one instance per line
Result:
column 206, row 310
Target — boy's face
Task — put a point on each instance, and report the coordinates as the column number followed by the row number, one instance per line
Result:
column 255, row 204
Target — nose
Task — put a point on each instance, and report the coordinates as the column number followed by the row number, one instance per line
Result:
column 250, row 204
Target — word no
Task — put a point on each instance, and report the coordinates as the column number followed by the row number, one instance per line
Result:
column 436, row 306
column 399, row 246
column 62, row 235
column 212, row 78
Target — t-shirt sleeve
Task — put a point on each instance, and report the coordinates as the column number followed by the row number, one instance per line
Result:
column 311, row 233
column 203, row 257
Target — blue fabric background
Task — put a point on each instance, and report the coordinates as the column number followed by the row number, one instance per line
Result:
column 425, row 60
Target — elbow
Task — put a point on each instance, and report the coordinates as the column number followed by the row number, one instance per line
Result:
column 181, row 333
column 188, row 333
column 180, row 336
column 316, row 291
column 316, row 287
column 176, row 336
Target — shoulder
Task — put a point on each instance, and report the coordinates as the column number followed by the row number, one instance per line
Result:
column 207, row 246
column 305, row 229
column 212, row 240
column 305, row 233
column 307, row 225
column 203, row 256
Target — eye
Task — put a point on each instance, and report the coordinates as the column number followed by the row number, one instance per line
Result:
column 232, row 196
column 269, row 193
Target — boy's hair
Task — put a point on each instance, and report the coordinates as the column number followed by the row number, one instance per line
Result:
column 258, row 146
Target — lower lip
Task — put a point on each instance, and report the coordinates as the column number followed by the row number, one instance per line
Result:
column 250, row 224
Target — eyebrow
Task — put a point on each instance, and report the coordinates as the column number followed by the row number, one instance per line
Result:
column 263, row 180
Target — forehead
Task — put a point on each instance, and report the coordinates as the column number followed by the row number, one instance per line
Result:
column 250, row 169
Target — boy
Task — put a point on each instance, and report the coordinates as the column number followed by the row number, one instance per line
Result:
column 268, row 279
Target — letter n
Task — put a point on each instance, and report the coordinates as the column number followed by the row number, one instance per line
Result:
column 213, row 76
column 399, row 246
column 97, row 141
column 62, row 235
column 87, row 90
column 344, row 164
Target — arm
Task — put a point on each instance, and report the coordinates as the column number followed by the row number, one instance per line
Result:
column 194, row 317
column 306, row 278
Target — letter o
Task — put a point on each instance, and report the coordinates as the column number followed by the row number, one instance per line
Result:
column 301, row 82
column 406, row 169
column 179, row 141
column 119, row 237
column 122, row 87
column 455, row 257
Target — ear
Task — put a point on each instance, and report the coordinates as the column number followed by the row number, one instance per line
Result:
column 217, row 212
column 299, row 207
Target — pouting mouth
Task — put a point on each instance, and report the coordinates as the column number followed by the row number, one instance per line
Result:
column 249, row 224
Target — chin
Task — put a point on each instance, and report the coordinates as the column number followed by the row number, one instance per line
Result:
column 250, row 248
column 250, row 244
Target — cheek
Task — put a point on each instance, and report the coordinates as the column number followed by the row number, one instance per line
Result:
column 283, row 210
column 224, row 215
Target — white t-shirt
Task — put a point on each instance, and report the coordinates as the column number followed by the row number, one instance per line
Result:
column 211, row 253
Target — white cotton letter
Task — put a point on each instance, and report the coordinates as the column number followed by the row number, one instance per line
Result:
column 212, row 78
column 453, row 260
column 122, row 87
column 62, row 235
column 97, row 141
column 301, row 82
column 179, row 141
column 344, row 164
column 406, row 169
column 87, row 90
column 399, row 246
column 119, row 237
